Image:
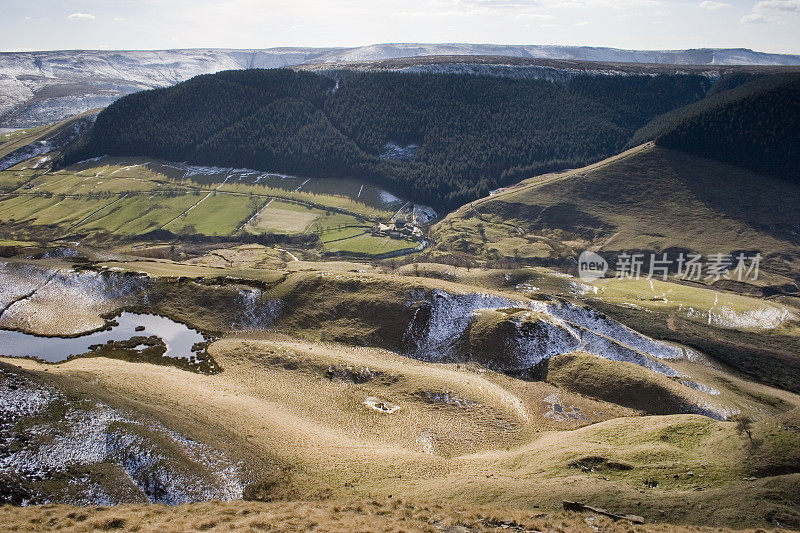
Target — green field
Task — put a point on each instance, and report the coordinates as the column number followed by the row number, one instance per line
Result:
column 722, row 309
column 218, row 214
column 284, row 217
column 68, row 211
column 13, row 179
column 24, row 207
column 369, row 245
column 132, row 196
column 331, row 197
column 69, row 183
column 14, row 242
column 346, row 232
column 140, row 214
column 332, row 226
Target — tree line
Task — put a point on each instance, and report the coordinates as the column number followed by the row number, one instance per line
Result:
column 474, row 133
column 755, row 126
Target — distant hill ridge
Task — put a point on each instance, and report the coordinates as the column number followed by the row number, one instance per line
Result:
column 44, row 87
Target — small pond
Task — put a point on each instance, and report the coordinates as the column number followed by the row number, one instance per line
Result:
column 178, row 337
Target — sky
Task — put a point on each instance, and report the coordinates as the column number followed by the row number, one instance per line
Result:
column 762, row 25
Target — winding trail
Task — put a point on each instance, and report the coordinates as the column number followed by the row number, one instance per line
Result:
column 290, row 254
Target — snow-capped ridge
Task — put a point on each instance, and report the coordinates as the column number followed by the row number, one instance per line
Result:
column 89, row 79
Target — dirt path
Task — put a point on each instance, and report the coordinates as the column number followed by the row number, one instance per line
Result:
column 290, row 254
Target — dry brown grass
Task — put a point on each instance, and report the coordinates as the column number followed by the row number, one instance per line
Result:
column 274, row 405
column 647, row 198
column 346, row 516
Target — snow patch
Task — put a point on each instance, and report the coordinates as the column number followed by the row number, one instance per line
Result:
column 398, row 152
column 388, row 198
column 441, row 322
column 93, row 433
column 256, row 314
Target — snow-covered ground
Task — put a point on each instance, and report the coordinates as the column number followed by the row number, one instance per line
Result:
column 38, row 298
column 508, row 71
column 86, row 79
column 442, row 321
column 163, row 466
column 69, row 302
column 256, row 311
column 25, row 153
column 397, row 152
column 388, row 198
column 764, row 318
column 43, row 147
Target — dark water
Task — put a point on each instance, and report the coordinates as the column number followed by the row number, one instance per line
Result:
column 178, row 337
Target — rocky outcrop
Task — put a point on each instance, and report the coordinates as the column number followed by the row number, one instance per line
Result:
column 256, row 311
column 512, row 336
column 514, row 341
column 441, row 320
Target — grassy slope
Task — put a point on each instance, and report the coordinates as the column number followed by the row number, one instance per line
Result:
column 651, row 198
column 17, row 139
column 633, row 386
column 219, row 214
column 280, row 400
column 277, row 398
column 648, row 198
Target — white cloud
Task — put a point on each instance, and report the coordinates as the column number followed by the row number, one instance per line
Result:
column 712, row 5
column 505, row 4
column 81, row 16
column 561, row 4
column 779, row 5
column 534, row 16
column 754, row 18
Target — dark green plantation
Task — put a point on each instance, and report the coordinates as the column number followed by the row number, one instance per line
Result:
column 472, row 133
column 755, row 125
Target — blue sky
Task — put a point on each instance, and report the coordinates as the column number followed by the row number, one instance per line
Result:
column 764, row 25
